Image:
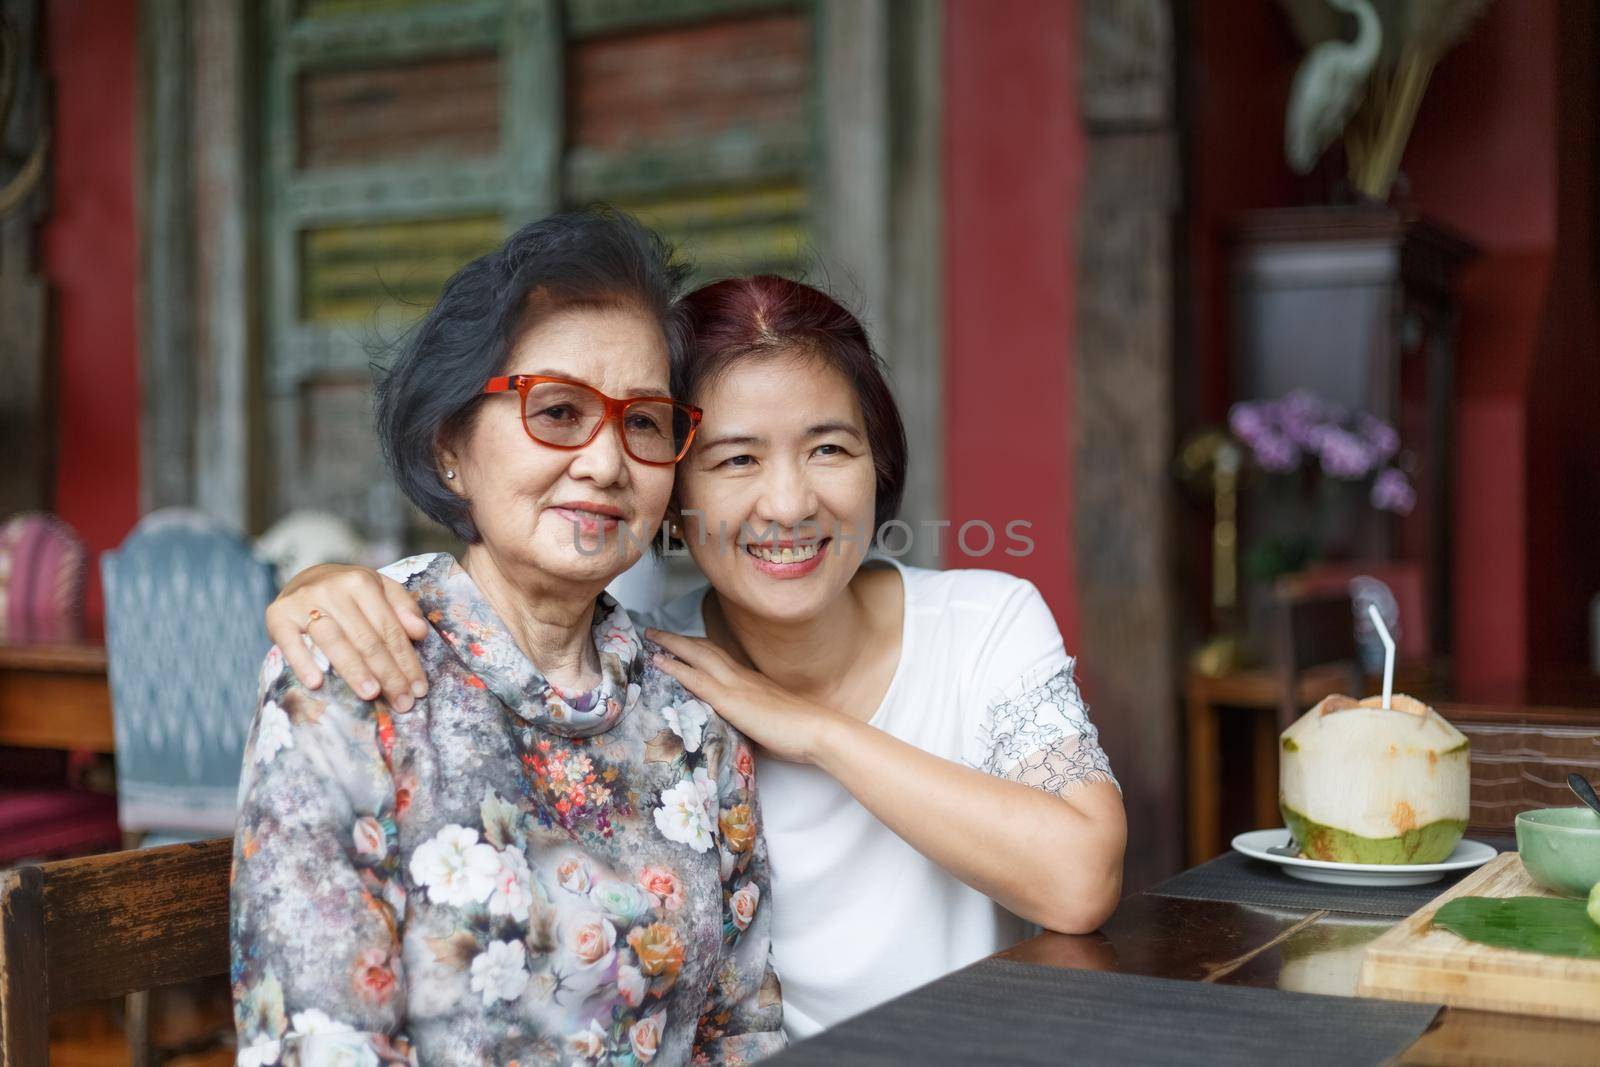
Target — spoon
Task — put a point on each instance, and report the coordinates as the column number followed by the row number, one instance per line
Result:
column 1580, row 785
column 1290, row 848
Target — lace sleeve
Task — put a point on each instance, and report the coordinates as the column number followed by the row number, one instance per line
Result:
column 1043, row 738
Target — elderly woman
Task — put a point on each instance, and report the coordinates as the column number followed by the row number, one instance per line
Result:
column 555, row 855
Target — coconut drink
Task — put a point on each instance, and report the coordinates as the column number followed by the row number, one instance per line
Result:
column 1361, row 783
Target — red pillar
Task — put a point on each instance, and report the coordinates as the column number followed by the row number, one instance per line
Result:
column 1013, row 167
column 90, row 260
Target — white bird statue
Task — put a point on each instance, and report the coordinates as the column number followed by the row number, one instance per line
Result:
column 1329, row 87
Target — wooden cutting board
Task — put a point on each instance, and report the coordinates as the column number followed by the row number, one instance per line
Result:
column 1414, row 961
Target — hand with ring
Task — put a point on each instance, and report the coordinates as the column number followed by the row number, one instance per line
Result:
column 362, row 621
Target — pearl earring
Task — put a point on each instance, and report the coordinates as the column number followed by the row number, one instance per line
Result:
column 450, row 475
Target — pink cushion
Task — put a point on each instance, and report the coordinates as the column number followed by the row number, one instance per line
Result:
column 49, row 823
column 42, row 568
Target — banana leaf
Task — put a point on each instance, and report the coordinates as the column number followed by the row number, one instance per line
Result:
column 1531, row 924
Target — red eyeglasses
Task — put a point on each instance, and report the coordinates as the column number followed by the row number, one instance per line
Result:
column 565, row 414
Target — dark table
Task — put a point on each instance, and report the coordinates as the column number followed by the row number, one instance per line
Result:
column 1306, row 951
column 1314, row 950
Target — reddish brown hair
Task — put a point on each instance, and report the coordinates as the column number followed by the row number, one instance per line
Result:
column 737, row 319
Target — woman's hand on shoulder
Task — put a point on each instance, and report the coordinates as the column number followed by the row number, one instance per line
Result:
column 784, row 725
column 362, row 621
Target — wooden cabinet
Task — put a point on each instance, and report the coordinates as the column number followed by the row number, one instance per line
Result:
column 1355, row 304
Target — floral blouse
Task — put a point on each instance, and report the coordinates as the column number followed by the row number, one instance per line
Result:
column 506, row 874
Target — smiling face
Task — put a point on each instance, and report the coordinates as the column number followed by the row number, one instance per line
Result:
column 580, row 516
column 777, row 494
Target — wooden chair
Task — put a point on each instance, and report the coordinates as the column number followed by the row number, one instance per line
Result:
column 1521, row 757
column 1312, row 650
column 1314, row 630
column 106, row 926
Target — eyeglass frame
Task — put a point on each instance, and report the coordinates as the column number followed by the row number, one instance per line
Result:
column 615, row 411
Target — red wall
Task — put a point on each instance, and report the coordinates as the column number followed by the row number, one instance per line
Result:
column 1483, row 156
column 1014, row 157
column 1503, row 299
column 1484, row 160
column 1242, row 59
column 90, row 261
column 1564, row 463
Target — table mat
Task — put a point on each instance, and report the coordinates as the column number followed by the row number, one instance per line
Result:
column 1000, row 1011
column 1238, row 879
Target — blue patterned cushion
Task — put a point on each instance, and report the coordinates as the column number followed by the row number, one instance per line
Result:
column 185, row 637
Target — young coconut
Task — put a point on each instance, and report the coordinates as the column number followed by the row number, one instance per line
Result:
column 1361, row 784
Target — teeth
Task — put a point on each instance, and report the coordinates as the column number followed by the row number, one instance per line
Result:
column 797, row 554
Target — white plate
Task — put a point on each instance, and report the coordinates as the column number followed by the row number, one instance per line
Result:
column 1467, row 854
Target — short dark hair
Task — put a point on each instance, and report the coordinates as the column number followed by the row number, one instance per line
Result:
column 596, row 256
column 737, row 319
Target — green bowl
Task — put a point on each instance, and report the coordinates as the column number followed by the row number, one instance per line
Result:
column 1561, row 848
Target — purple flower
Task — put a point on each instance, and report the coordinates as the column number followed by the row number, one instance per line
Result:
column 1276, row 453
column 1344, row 455
column 1302, row 404
column 1247, row 423
column 1300, row 416
column 1380, row 437
column 1281, row 433
column 1392, row 492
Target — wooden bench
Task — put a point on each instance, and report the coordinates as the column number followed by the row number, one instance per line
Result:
column 106, row 926
column 1521, row 758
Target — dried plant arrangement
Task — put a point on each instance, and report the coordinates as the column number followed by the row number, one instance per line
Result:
column 1368, row 88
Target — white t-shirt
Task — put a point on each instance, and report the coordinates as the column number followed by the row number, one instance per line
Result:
column 859, row 916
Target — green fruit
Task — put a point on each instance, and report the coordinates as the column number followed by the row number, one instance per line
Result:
column 1432, row 843
column 1361, row 783
column 1594, row 904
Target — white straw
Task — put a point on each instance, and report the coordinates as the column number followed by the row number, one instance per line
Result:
column 1388, row 653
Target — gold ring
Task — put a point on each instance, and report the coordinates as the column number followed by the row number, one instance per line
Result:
column 316, row 613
